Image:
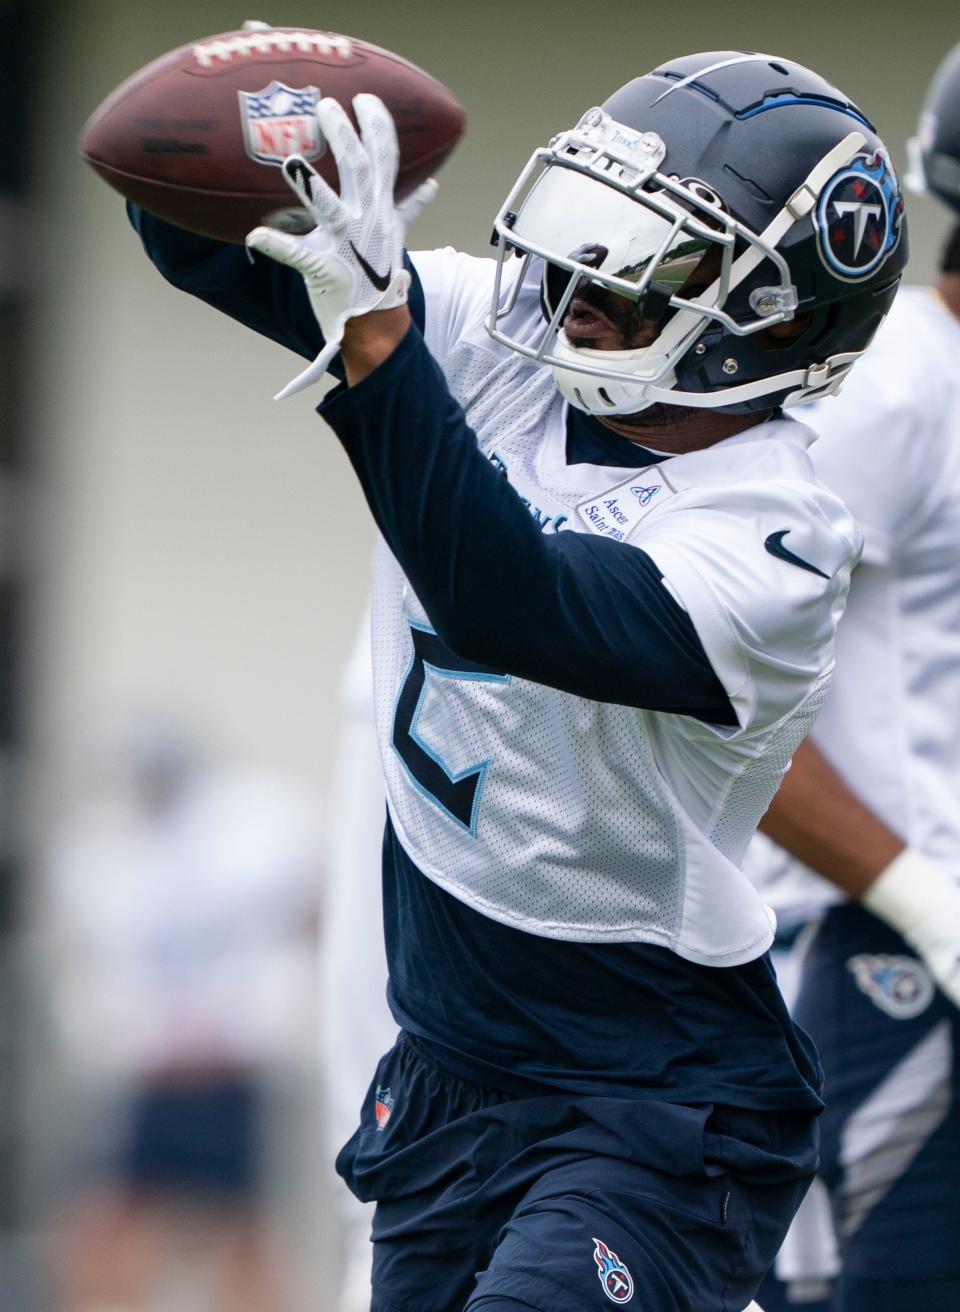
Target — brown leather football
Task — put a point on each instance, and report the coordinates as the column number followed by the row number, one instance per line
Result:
column 198, row 136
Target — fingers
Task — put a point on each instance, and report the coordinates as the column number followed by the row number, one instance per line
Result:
column 353, row 162
column 409, row 209
column 290, row 249
column 281, row 246
column 326, row 207
column 367, row 164
column 379, row 136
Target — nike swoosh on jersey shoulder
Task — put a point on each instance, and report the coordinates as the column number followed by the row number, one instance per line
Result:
column 773, row 542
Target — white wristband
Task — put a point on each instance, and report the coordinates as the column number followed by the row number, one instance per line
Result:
column 908, row 891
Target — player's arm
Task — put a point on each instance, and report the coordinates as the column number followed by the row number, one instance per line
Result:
column 576, row 611
column 821, row 821
column 818, row 819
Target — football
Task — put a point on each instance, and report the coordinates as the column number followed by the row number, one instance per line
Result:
column 198, row 135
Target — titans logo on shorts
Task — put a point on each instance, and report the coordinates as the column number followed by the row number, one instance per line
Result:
column 901, row 986
column 616, row 1279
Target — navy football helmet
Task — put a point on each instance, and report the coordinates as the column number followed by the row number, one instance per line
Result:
column 723, row 194
column 934, row 153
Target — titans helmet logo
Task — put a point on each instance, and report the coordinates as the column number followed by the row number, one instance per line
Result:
column 859, row 217
column 616, row 1279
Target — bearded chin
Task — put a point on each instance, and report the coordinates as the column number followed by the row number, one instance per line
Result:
column 655, row 417
column 658, row 417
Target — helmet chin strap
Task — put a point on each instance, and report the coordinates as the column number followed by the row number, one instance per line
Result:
column 631, row 397
column 605, row 396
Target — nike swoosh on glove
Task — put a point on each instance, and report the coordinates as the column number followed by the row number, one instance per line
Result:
column 352, row 261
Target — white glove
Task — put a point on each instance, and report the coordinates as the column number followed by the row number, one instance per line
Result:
column 352, row 261
column 922, row 902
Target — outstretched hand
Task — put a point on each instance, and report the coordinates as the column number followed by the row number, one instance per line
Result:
column 352, row 261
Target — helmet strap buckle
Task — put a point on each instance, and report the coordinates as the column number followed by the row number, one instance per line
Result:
column 768, row 301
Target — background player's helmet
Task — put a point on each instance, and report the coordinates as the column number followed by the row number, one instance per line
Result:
column 724, row 193
column 935, row 151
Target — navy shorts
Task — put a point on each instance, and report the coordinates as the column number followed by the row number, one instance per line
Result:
column 888, row 1042
column 565, row 1202
column 195, row 1140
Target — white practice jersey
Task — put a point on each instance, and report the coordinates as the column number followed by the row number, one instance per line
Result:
column 591, row 821
column 889, row 445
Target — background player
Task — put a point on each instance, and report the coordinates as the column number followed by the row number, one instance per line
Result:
column 183, row 898
column 590, row 678
column 872, row 802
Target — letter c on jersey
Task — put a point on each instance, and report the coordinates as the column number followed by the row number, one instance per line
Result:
column 457, row 795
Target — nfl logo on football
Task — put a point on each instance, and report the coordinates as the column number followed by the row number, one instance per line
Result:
column 280, row 121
